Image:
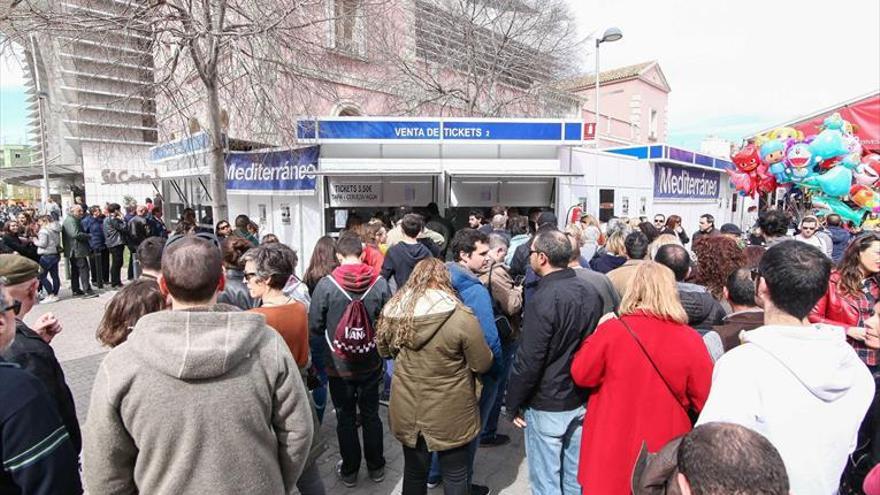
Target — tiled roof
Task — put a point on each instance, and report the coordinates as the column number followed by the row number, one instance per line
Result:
column 612, row 75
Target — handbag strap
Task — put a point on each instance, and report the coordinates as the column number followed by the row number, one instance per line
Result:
column 653, row 364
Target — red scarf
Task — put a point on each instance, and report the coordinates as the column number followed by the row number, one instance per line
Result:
column 355, row 278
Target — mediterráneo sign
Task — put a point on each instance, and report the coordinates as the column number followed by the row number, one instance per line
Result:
column 672, row 182
column 273, row 172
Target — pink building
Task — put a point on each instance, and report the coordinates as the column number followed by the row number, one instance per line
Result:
column 633, row 103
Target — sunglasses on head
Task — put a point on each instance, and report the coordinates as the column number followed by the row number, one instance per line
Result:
column 201, row 235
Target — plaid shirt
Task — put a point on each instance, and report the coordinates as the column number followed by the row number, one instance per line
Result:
column 865, row 305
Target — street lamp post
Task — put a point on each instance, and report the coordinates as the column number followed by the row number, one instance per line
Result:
column 611, row 34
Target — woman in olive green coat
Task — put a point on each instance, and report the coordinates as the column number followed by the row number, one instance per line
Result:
column 438, row 349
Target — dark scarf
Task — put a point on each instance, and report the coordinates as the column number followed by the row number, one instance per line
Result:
column 354, row 278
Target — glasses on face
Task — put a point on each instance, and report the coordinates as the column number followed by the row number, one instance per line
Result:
column 14, row 306
column 658, row 221
column 249, row 275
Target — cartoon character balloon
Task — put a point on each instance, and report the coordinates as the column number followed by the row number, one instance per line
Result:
column 772, row 152
column 868, row 171
column 829, row 143
column 798, row 162
column 786, row 133
column 865, row 197
column 853, row 151
column 835, row 182
column 747, row 161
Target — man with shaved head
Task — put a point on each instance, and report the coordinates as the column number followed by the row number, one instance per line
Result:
column 195, row 390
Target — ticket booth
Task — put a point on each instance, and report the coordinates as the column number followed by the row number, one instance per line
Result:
column 371, row 164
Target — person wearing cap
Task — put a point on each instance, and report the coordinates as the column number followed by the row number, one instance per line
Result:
column 37, row 454
column 31, row 349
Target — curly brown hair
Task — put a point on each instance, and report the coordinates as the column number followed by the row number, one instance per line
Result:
column 717, row 257
column 430, row 273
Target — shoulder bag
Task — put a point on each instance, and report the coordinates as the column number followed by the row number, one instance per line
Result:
column 691, row 414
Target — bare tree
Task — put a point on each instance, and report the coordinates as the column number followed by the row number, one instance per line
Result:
column 484, row 57
column 254, row 65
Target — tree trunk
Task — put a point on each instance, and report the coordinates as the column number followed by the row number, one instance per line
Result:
column 220, row 205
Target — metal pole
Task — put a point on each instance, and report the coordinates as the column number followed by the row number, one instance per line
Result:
column 44, row 190
column 596, row 131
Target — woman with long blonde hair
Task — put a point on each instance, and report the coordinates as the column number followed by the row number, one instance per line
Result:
column 438, row 348
column 649, row 374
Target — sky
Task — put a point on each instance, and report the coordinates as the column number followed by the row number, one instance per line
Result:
column 738, row 67
column 735, row 67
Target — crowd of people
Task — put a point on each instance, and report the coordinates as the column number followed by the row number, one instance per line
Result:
column 748, row 361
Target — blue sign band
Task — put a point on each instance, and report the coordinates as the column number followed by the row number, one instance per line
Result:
column 288, row 170
column 672, row 182
column 439, row 130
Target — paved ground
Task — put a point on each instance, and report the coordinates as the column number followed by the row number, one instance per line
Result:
column 503, row 469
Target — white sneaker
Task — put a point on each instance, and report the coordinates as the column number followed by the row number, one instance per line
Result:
column 49, row 299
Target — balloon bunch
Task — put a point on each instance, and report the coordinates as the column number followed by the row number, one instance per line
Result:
column 828, row 165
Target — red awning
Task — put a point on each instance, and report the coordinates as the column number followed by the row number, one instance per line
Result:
column 863, row 114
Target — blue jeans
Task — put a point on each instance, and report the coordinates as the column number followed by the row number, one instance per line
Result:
column 553, row 444
column 487, row 400
column 49, row 263
column 490, row 425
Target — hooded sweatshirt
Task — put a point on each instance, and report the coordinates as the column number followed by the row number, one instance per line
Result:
column 475, row 296
column 329, row 304
column 804, row 389
column 208, row 400
column 435, row 391
column 400, row 260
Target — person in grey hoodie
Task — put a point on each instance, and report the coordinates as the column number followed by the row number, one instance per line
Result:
column 200, row 399
column 801, row 386
column 48, row 244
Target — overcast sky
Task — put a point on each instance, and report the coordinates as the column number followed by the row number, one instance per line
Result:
column 735, row 67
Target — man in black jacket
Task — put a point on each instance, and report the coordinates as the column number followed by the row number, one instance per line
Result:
column 115, row 235
column 31, row 349
column 562, row 312
column 37, row 454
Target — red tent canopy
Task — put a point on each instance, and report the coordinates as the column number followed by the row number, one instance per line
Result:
column 863, row 114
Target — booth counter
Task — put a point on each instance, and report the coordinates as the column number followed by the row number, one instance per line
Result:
column 358, row 166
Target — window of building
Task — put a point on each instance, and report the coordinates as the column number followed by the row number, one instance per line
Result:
column 652, row 126
column 18, row 155
column 347, row 27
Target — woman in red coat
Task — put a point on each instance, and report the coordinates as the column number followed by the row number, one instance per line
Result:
column 629, row 401
column 852, row 292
